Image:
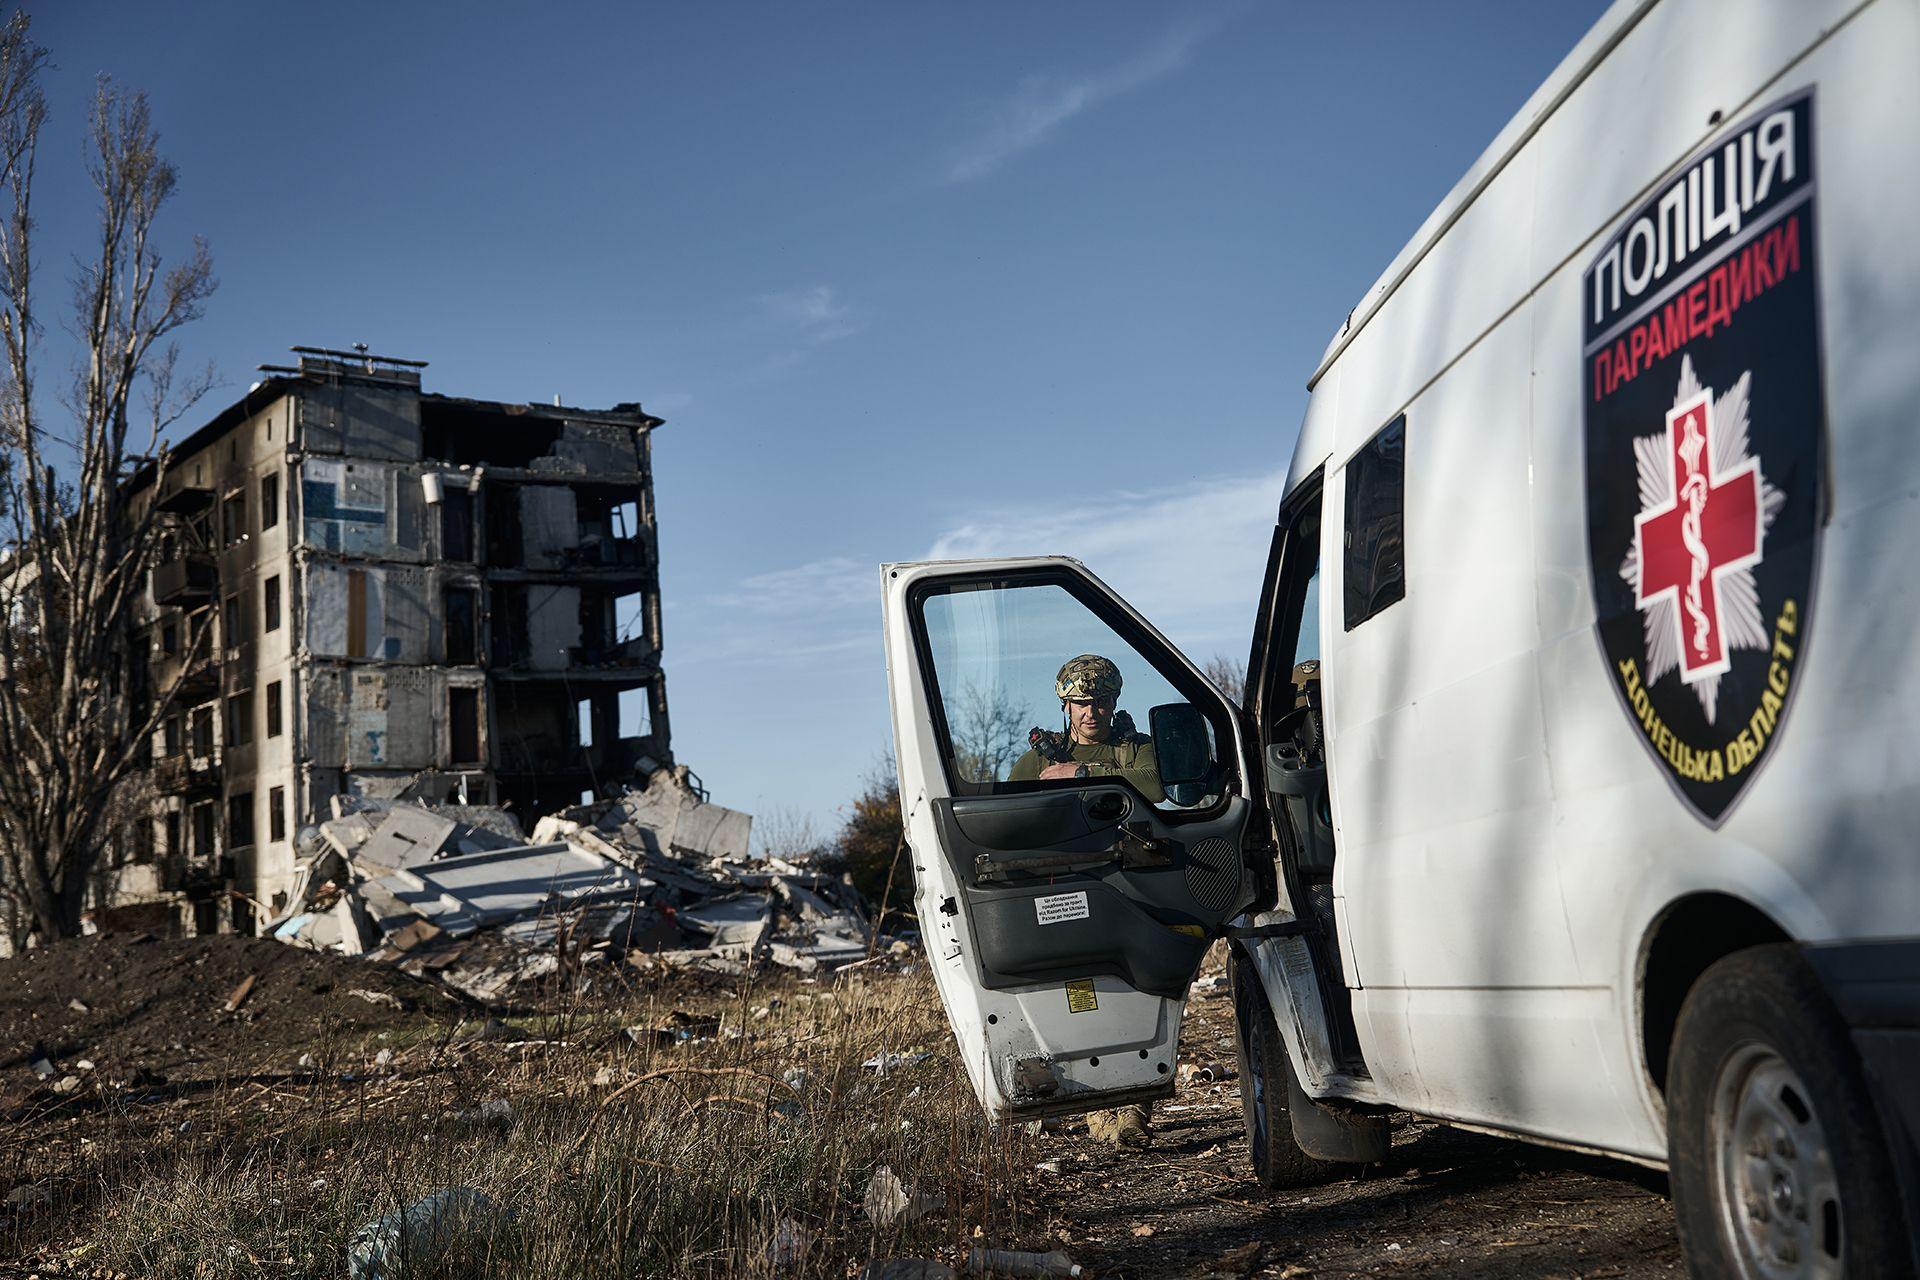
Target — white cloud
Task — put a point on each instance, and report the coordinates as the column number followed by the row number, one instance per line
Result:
column 1041, row 103
column 818, row 314
column 1190, row 557
column 805, row 321
column 816, row 587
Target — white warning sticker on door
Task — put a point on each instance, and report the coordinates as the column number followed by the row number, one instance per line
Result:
column 1057, row 908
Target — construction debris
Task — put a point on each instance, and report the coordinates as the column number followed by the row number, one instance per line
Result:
column 658, row 876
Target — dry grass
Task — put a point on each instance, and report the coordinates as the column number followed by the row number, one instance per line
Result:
column 651, row 1160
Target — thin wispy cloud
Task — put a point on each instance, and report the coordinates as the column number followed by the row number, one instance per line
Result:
column 1040, row 104
column 820, row 315
column 803, row 322
column 1190, row 557
column 807, row 589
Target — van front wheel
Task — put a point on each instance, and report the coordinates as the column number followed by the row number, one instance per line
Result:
column 1773, row 1143
column 1265, row 1075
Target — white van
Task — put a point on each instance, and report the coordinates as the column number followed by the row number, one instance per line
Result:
column 1576, row 793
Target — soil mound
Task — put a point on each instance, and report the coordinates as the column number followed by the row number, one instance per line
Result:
column 126, row 1002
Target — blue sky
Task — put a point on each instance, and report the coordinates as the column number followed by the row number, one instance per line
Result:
column 904, row 279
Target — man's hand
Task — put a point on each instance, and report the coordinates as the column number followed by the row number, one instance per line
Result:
column 1064, row 771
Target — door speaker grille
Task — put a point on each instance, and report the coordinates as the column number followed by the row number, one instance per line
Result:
column 1213, row 874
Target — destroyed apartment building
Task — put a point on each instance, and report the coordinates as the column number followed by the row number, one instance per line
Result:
column 377, row 593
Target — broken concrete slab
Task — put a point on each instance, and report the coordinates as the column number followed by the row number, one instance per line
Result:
column 474, row 890
column 737, row 921
column 668, row 817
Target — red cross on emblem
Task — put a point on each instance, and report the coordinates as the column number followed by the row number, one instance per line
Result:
column 1710, row 526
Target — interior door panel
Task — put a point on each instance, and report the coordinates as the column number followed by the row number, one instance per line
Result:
column 1154, row 894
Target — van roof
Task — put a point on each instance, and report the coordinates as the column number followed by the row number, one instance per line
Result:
column 1613, row 26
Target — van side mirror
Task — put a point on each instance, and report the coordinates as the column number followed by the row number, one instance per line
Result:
column 1182, row 743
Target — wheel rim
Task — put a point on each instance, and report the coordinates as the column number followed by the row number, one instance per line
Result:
column 1778, row 1199
column 1249, row 1021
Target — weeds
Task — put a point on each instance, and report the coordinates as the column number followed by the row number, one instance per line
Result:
column 624, row 1156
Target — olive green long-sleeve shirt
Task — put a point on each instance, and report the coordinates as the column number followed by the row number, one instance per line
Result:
column 1130, row 757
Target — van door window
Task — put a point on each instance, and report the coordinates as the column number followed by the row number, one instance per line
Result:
column 1374, row 571
column 1036, row 689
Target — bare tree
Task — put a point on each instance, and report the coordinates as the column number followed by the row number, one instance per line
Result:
column 1229, row 676
column 989, row 733
column 75, row 711
column 786, row 833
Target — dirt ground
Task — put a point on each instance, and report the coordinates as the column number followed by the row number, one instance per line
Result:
column 132, row 1003
column 1447, row 1203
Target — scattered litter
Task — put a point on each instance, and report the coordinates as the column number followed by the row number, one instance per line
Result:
column 886, row 1061
column 494, row 1111
column 83, row 1064
column 1012, row 1262
column 240, row 993
column 1143, row 1229
column 29, row 1196
column 1211, row 987
column 418, row 1235
column 908, row 1269
column 78, row 1005
column 42, row 1066
column 1244, row 1260
column 492, row 1030
column 383, row 998
column 795, row 1078
column 790, row 1244
column 66, row 1084
column 1394, row 1247
column 1048, row 1166
column 890, row 1200
column 1206, row 1072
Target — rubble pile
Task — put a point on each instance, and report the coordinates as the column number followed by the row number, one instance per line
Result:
column 657, row 877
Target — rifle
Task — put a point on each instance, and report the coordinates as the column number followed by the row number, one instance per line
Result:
column 1056, row 748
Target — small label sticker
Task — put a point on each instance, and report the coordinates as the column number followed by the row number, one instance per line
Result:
column 1080, row 997
column 1057, row 908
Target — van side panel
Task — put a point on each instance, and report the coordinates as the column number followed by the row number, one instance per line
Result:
column 1823, row 841
column 1506, row 840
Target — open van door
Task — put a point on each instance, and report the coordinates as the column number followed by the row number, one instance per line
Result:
column 1065, row 904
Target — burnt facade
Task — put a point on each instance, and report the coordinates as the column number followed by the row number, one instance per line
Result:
column 376, row 591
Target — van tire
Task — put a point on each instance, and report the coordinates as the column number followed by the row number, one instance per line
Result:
column 1266, row 1080
column 1773, row 1141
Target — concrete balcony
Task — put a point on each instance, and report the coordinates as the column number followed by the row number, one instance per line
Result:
column 186, row 775
column 185, row 580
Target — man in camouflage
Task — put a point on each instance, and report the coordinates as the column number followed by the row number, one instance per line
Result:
column 1089, row 690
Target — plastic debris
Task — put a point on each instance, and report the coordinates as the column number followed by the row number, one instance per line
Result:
column 1013, row 1262
column 890, row 1200
column 790, row 1244
column 886, row 1061
column 908, row 1269
column 419, row 1234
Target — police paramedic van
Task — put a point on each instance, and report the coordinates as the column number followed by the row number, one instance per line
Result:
column 1576, row 791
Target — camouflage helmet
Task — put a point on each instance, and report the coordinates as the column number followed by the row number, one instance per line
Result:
column 1086, row 678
